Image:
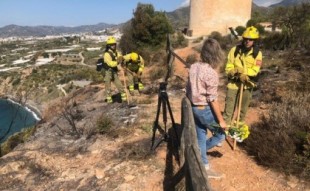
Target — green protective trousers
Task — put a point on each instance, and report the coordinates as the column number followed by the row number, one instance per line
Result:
column 112, row 76
column 132, row 80
column 231, row 103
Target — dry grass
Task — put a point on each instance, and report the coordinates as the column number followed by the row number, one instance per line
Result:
column 158, row 72
column 282, row 139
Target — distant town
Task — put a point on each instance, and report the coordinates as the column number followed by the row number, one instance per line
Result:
column 23, row 52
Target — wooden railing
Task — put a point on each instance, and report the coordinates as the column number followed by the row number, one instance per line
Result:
column 195, row 173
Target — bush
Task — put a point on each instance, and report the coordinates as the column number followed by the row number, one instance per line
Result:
column 179, row 41
column 282, row 140
column 157, row 73
column 16, row 81
column 276, row 41
column 240, row 30
column 223, row 40
column 197, row 40
column 191, row 59
column 104, row 124
column 15, row 140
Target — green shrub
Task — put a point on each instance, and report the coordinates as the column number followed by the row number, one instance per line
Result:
column 179, row 41
column 16, row 81
column 104, row 124
column 191, row 59
column 147, row 128
column 15, row 140
column 197, row 40
column 276, row 41
column 240, row 30
column 281, row 139
column 223, row 40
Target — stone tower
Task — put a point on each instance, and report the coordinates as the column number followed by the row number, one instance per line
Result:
column 207, row 16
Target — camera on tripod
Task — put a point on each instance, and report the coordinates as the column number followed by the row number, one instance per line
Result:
column 164, row 104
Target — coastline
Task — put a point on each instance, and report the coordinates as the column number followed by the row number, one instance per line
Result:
column 36, row 113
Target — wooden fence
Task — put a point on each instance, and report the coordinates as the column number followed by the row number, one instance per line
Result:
column 195, row 173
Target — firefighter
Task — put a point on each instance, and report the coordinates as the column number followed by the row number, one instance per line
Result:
column 134, row 65
column 112, row 58
column 243, row 65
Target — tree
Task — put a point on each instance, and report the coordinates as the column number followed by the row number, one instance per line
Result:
column 148, row 28
column 240, row 30
column 295, row 23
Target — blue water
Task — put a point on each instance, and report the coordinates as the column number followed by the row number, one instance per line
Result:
column 13, row 118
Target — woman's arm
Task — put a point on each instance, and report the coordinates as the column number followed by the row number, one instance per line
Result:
column 216, row 109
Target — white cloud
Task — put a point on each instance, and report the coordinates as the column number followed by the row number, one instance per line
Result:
column 185, row 3
column 266, row 3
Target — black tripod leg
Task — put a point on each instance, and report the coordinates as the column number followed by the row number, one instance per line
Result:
column 172, row 120
column 165, row 119
column 155, row 124
column 157, row 144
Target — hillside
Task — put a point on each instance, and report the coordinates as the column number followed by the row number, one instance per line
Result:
column 118, row 157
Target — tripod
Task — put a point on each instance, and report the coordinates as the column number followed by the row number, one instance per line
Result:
column 163, row 101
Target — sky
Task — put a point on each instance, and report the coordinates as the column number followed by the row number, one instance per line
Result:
column 81, row 12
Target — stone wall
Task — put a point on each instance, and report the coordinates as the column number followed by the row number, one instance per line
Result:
column 207, row 16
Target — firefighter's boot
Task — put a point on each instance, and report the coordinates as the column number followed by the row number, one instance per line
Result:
column 123, row 97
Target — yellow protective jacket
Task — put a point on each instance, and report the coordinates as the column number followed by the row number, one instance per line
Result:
column 132, row 66
column 250, row 65
column 109, row 60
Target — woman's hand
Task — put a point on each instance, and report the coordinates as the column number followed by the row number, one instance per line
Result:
column 223, row 125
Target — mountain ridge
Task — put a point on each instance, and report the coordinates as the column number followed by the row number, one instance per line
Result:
column 286, row 3
column 44, row 30
column 179, row 18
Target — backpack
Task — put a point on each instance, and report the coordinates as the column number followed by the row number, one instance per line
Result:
column 102, row 65
column 99, row 64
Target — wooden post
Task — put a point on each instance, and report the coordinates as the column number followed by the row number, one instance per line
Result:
column 239, row 110
column 196, row 174
column 125, row 84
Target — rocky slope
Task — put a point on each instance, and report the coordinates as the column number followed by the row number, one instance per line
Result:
column 60, row 157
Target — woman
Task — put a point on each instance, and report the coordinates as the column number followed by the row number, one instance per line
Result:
column 202, row 90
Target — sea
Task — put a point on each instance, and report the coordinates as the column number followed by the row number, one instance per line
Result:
column 14, row 117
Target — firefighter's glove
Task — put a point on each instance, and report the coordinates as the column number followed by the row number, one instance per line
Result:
column 120, row 59
column 239, row 70
column 139, row 74
column 244, row 78
column 231, row 73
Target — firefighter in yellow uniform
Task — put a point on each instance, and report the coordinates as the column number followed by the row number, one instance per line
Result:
column 112, row 58
column 244, row 62
column 134, row 65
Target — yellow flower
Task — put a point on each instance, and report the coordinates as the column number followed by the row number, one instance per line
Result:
column 239, row 133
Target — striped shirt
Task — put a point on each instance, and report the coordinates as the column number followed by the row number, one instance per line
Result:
column 202, row 84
